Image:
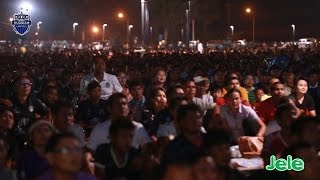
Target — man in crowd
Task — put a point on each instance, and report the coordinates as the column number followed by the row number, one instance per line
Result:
column 109, row 83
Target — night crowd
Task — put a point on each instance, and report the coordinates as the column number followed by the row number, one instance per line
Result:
column 80, row 114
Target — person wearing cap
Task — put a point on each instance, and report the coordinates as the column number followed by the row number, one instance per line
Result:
column 108, row 82
column 26, row 107
column 202, row 84
column 32, row 162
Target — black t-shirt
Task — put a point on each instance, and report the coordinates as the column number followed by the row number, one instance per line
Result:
column 90, row 114
column 103, row 156
column 307, row 103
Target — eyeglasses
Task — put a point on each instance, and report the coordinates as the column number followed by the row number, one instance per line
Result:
column 67, row 150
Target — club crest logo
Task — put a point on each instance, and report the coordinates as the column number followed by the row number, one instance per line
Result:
column 21, row 23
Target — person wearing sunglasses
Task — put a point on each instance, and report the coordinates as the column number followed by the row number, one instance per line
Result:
column 65, row 156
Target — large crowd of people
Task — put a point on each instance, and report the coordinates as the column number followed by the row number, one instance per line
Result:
column 80, row 114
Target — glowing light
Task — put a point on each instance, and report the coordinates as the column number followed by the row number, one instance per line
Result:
column 95, row 29
column 120, row 15
column 248, row 10
column 26, row 6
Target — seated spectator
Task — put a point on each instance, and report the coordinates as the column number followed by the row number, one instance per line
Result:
column 32, row 162
column 119, row 158
column 235, row 83
column 249, row 86
column 189, row 88
column 202, row 85
column 217, row 94
column 308, row 154
column 233, row 113
column 281, row 135
column 6, row 133
column 260, row 96
column 138, row 103
column 217, row 143
column 26, row 108
column 5, row 172
column 64, row 154
column 303, row 100
column 49, row 96
column 190, row 139
column 123, row 80
column 169, row 128
column 117, row 107
column 64, row 120
column 93, row 110
column 306, row 129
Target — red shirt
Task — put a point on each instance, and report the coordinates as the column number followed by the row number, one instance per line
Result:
column 266, row 110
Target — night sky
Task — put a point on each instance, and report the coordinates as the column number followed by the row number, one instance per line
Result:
column 273, row 17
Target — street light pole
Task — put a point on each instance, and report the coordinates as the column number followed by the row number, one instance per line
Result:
column 103, row 31
column 249, row 11
column 128, row 35
column 74, row 30
column 293, row 32
column 232, row 29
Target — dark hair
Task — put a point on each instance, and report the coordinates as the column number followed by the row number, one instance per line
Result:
column 120, row 124
column 48, row 89
column 154, row 92
column 300, row 78
column 171, row 91
column 61, row 104
column 216, row 137
column 187, row 80
column 229, row 93
column 93, row 85
column 215, row 89
column 4, row 109
column 159, row 69
column 174, row 101
column 233, row 78
column 55, row 139
column 264, row 89
column 135, row 84
column 183, row 109
column 299, row 125
column 272, row 87
column 96, row 58
column 114, row 97
column 292, row 150
column 281, row 108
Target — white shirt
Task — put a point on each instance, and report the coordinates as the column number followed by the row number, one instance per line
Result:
column 234, row 121
column 100, row 135
column 109, row 85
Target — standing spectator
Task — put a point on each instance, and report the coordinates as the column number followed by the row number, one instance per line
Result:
column 109, row 83
column 303, row 100
column 202, row 84
column 65, row 157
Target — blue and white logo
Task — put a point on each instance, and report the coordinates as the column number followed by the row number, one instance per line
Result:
column 21, row 23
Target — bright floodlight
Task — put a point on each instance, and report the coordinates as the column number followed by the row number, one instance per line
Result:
column 293, row 26
column 95, row 29
column 130, row 26
column 10, row 19
column 104, row 25
column 248, row 10
column 232, row 27
column 120, row 15
column 26, row 6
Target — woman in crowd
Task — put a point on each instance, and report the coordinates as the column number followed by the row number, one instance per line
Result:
column 303, row 100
